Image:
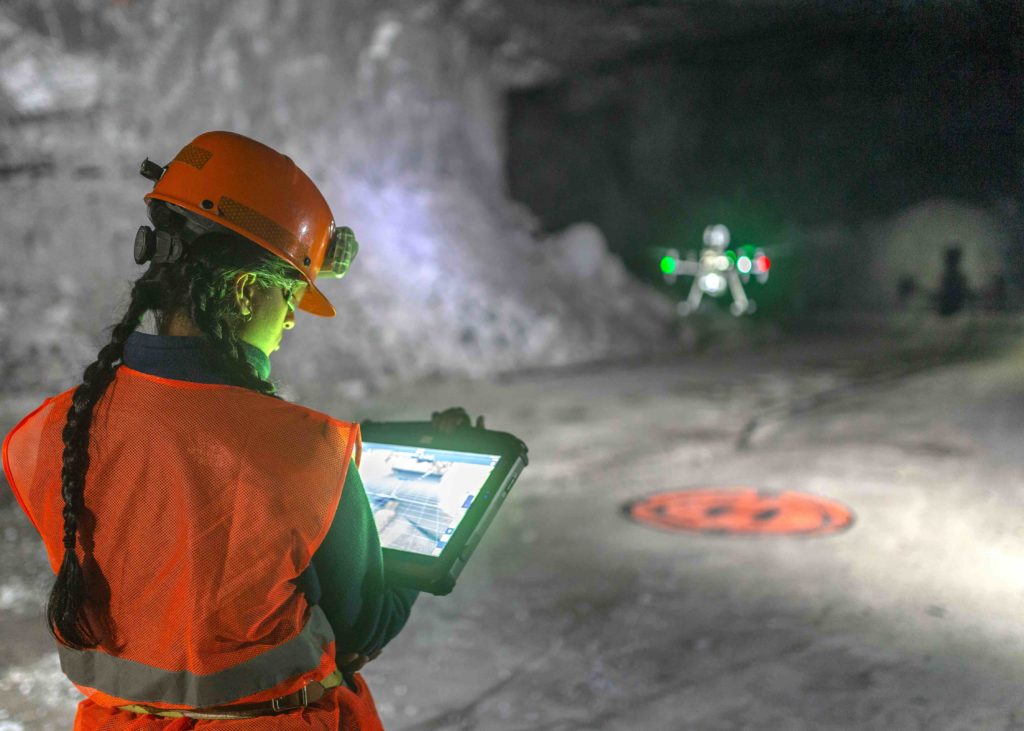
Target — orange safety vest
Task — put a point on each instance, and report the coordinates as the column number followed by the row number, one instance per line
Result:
column 203, row 503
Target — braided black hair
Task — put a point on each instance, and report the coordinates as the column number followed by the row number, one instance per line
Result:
column 200, row 285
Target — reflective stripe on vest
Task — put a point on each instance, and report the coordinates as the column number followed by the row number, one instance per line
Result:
column 145, row 683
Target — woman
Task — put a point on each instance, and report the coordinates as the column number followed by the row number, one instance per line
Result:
column 217, row 560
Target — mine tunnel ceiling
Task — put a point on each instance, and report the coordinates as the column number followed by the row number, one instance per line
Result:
column 538, row 42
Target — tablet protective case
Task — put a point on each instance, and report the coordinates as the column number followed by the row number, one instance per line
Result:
column 417, row 453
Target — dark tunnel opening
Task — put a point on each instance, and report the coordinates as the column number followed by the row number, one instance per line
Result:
column 779, row 134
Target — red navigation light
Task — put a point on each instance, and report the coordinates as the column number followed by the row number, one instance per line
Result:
column 762, row 264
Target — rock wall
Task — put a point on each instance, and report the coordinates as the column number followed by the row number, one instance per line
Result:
column 385, row 104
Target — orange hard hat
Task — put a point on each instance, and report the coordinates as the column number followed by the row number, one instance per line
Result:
column 255, row 191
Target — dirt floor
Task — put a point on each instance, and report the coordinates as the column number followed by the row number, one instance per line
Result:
column 570, row 616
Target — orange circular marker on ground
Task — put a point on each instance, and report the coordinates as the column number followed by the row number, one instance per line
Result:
column 741, row 511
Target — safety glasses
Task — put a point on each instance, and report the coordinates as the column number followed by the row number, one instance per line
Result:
column 289, row 298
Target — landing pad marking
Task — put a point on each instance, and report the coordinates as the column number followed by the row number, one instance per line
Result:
column 741, row 511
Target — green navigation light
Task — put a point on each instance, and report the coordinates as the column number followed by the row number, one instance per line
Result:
column 668, row 264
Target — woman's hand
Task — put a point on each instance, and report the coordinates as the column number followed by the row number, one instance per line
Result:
column 353, row 662
column 449, row 420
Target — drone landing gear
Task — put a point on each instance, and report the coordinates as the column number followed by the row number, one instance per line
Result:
column 740, row 304
column 738, row 310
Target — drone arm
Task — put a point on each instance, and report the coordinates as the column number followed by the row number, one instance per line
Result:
column 695, row 296
column 736, row 288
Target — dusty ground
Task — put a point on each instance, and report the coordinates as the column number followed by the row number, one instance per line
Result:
column 571, row 617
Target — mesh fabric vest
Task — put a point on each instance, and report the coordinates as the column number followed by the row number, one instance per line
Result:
column 203, row 503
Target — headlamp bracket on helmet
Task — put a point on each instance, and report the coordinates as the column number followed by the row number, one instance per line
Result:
column 151, row 170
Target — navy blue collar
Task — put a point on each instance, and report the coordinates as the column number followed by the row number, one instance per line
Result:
column 183, row 358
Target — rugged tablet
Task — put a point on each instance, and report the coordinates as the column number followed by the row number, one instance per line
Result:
column 434, row 495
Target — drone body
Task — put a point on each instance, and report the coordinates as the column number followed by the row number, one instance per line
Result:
column 716, row 270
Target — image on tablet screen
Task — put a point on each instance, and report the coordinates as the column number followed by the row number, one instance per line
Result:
column 420, row 495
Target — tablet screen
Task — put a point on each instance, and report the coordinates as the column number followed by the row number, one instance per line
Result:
column 420, row 495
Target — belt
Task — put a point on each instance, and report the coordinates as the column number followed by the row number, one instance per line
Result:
column 301, row 698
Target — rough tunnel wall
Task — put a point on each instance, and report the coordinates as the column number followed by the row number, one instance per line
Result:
column 385, row 105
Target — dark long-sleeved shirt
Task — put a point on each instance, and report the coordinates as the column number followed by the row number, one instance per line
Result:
column 346, row 575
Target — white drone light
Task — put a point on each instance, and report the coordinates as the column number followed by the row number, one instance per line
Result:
column 713, row 283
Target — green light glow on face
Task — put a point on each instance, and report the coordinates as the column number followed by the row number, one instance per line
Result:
column 668, row 264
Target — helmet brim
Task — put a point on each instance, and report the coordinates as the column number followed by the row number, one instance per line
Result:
column 315, row 303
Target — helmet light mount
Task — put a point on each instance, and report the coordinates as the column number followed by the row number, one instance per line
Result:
column 151, row 170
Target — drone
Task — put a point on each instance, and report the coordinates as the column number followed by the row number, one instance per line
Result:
column 718, row 269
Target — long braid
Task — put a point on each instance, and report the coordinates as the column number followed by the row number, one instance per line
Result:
column 65, row 610
column 199, row 285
